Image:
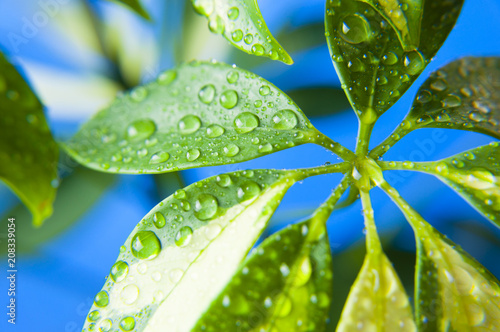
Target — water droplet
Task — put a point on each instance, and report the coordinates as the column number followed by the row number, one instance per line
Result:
column 207, row 93
column 216, row 24
column 424, row 96
column 237, row 35
column 285, row 120
column 231, row 150
column 414, row 62
column 189, row 124
column 94, row 315
column 214, row 131
column 206, row 207
column 180, row 194
column 248, row 190
column 101, row 299
column 159, row 157
column 140, row 129
column 204, row 7
column 232, row 77
column 264, row 90
column 184, row 236
column 248, row 39
column 229, row 99
column 105, row 325
column 246, row 122
column 142, row 152
column 481, row 106
column 226, row 301
column 185, row 205
column 224, row 180
column 192, row 154
column 129, row 294
column 119, row 271
column 257, row 49
column 138, row 94
column 167, row 77
column 390, row 58
column 354, row 29
column 233, row 13
column 451, row 100
column 268, row 302
column 145, row 245
column 127, row 323
column 159, row 220
column 439, row 85
column 477, row 117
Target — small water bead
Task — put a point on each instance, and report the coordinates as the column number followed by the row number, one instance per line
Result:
column 142, row 152
column 424, row 96
column 477, row 117
column 127, row 323
column 140, row 129
column 183, row 236
column 159, row 220
column 159, row 157
column 105, row 325
column 414, row 62
column 193, row 154
column 233, row 13
column 439, row 85
column 264, row 90
column 258, row 49
column 265, row 148
column 248, row 190
column 180, row 194
column 138, row 94
column 390, row 58
column 257, row 103
column 451, row 100
column 469, row 156
column 145, row 245
column 248, row 39
column 237, row 35
column 354, row 29
column 206, row 207
column 129, row 294
column 185, row 205
column 231, row 150
column 285, row 120
column 207, row 93
column 214, row 131
column 94, row 315
column 119, row 271
column 101, row 299
column 224, row 180
column 246, row 122
column 229, row 99
column 204, row 7
column 232, row 77
column 189, row 124
column 167, row 77
column 481, row 106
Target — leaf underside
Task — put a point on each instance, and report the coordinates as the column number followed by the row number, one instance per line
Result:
column 453, row 291
column 461, row 95
column 374, row 67
column 186, row 249
column 28, row 153
column 136, row 6
column 242, row 24
column 200, row 114
column 284, row 285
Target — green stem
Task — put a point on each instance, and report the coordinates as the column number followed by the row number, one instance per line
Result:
column 401, row 131
column 343, row 167
column 364, row 134
column 335, row 147
column 372, row 240
column 426, row 167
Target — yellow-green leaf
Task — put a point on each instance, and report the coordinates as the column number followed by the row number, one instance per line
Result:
column 136, row 6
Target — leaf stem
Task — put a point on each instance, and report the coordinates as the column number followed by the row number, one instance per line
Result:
column 342, row 167
column 372, row 239
column 406, row 166
column 335, row 147
column 364, row 133
column 401, row 131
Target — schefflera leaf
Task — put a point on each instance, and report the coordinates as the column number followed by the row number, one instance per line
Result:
column 200, row 114
column 136, row 6
column 461, row 95
column 375, row 68
column 242, row 24
column 377, row 300
column 28, row 152
column 284, row 285
column 453, row 291
column 185, row 250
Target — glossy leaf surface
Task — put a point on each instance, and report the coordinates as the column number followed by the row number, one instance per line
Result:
column 28, row 153
column 185, row 250
column 200, row 114
column 374, row 67
column 284, row 285
column 242, row 24
column 320, row 101
column 461, row 95
column 136, row 6
column 453, row 291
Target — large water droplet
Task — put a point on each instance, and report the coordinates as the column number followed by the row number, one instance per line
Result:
column 145, row 245
column 159, row 220
column 119, row 271
column 189, row 124
column 257, row 49
column 414, row 62
column 127, row 323
column 246, row 122
column 233, row 13
column 354, row 29
column 159, row 157
column 264, row 90
column 207, row 93
column 231, row 150
column 206, row 207
column 232, row 77
column 285, row 120
column 451, row 100
column 129, row 294
column 248, row 190
column 229, row 99
column 105, row 325
column 183, row 237
column 192, row 154
column 224, row 180
column 140, row 129
column 101, row 299
column 214, row 131
column 237, row 35
column 390, row 58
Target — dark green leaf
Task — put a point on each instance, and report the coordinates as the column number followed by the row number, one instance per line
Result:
column 242, row 24
column 284, row 285
column 374, row 67
column 28, row 153
column 77, row 193
column 461, row 95
column 186, row 249
column 200, row 114
column 136, row 6
column 320, row 101
column 453, row 291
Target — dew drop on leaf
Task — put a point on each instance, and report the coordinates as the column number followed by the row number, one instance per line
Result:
column 414, row 62
column 101, row 299
column 140, row 129
column 127, row 323
column 207, row 93
column 233, row 76
column 233, row 13
column 285, row 120
column 214, row 131
column 229, row 99
column 183, row 236
column 355, row 29
column 224, row 180
column 246, row 122
column 119, row 271
column 189, row 124
column 248, row 190
column 105, row 325
column 167, row 77
column 159, row 157
column 237, row 36
column 206, row 207
column 129, row 294
column 231, row 150
column 159, row 220
column 145, row 245
column 192, row 154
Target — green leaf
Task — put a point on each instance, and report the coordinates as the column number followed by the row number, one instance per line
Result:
column 320, row 101
column 242, row 24
column 374, row 67
column 453, row 291
column 185, row 251
column 377, row 300
column 284, row 285
column 28, row 153
column 200, row 114
column 136, row 6
column 77, row 193
column 461, row 95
